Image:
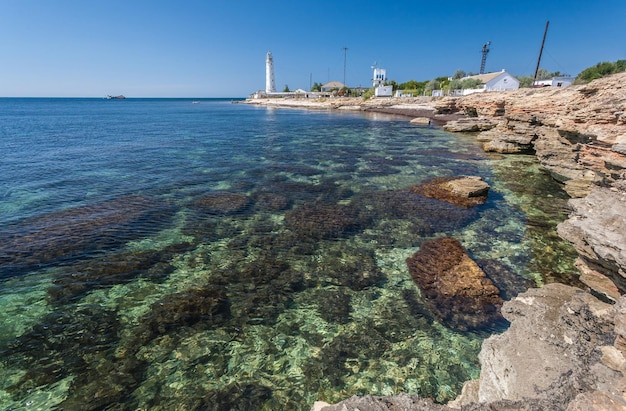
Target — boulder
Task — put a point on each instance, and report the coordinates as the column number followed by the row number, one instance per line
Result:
column 461, row 191
column 456, row 290
column 423, row 121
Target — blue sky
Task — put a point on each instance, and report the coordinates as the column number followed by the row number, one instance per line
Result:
column 216, row 48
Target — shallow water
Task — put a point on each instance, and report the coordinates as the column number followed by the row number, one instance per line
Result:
column 159, row 254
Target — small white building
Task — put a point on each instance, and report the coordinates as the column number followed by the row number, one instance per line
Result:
column 498, row 81
column 563, row 81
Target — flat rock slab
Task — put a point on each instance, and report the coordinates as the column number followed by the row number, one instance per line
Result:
column 455, row 288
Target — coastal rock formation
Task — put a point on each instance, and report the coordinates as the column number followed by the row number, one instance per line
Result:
column 565, row 350
column 455, row 288
column 578, row 132
column 597, row 229
column 560, row 353
column 460, row 191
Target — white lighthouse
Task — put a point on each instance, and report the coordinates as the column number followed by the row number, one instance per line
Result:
column 270, row 85
column 380, row 77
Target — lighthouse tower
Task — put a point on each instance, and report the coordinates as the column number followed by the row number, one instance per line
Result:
column 270, row 86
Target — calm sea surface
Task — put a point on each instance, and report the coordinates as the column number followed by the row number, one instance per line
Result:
column 164, row 254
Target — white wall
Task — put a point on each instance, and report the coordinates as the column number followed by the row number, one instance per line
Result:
column 503, row 82
column 383, row 91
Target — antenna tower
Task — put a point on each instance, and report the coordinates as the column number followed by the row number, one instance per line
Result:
column 483, row 61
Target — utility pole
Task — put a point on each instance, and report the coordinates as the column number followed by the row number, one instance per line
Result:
column 345, row 52
column 541, row 51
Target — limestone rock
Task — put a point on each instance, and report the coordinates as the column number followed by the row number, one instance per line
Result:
column 401, row 402
column 552, row 350
column 469, row 125
column 455, row 288
column 510, row 143
column 597, row 229
column 461, row 191
column 424, row 121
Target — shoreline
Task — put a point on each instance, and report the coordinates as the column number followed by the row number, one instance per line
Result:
column 413, row 107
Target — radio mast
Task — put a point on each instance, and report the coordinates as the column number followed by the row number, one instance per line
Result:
column 484, row 59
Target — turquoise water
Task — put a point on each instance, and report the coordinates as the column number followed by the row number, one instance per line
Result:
column 159, row 254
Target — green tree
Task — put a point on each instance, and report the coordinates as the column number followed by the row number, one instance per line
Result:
column 432, row 85
column 525, row 81
column 316, row 86
column 458, row 75
column 369, row 93
column 286, row 89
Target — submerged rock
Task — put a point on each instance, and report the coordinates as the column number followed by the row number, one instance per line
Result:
column 460, row 191
column 325, row 221
column 222, row 203
column 76, row 233
column 455, row 288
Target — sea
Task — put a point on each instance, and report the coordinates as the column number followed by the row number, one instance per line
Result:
column 203, row 254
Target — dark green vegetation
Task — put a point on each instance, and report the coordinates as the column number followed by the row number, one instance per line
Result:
column 600, row 70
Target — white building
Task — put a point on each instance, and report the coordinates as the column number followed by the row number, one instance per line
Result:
column 378, row 81
column 555, row 82
column 498, row 81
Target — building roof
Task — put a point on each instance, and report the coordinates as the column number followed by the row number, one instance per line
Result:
column 334, row 84
column 487, row 77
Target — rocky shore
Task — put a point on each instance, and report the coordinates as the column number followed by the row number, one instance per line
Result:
column 566, row 347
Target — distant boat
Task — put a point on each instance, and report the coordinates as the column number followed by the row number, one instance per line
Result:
column 120, row 97
column 195, row 102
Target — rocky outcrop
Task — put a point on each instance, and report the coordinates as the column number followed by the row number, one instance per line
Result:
column 456, row 290
column 460, row 191
column 578, row 132
column 565, row 350
column 561, row 352
column 597, row 229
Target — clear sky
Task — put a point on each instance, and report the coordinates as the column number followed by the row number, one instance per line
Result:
column 216, row 48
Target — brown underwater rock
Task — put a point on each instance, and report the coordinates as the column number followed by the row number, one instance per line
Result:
column 460, row 191
column 222, row 203
column 76, row 233
column 455, row 288
column 326, row 221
